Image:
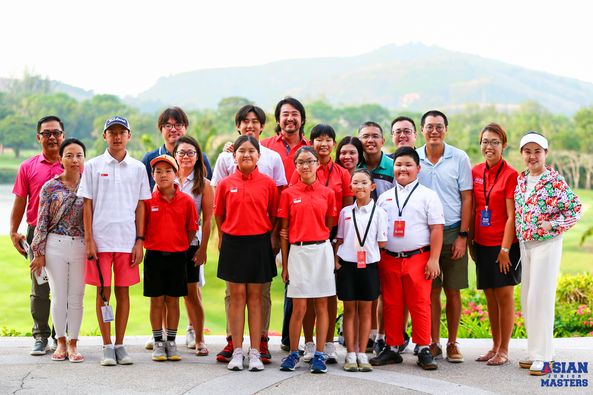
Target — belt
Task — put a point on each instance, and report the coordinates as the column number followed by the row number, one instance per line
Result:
column 308, row 243
column 407, row 254
column 453, row 226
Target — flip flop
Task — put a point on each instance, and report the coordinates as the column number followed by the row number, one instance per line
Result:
column 58, row 356
column 201, row 350
column 486, row 357
column 498, row 360
column 75, row 357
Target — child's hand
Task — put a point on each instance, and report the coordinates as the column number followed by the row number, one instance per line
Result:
column 137, row 253
column 432, row 269
column 91, row 250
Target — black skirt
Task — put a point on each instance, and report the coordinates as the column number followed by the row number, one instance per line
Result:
column 488, row 274
column 246, row 259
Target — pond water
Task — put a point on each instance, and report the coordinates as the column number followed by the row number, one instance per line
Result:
column 6, row 199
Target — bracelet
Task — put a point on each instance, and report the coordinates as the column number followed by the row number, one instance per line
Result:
column 505, row 250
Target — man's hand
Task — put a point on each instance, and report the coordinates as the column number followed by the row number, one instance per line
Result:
column 91, row 250
column 459, row 248
column 16, row 238
column 432, row 269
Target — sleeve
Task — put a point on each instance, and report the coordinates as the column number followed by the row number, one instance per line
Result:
column 41, row 230
column 382, row 224
column 511, row 184
column 192, row 218
column 465, row 173
column 284, row 206
column 347, row 191
column 332, row 209
column 220, row 170
column 219, row 200
column 85, row 189
column 568, row 204
column 208, row 167
column 273, row 199
column 147, row 215
column 278, row 171
column 21, row 184
column 341, row 224
column 294, row 178
column 434, row 209
column 144, row 191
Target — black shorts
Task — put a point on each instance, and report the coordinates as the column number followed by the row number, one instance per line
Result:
column 246, row 259
column 357, row 284
column 488, row 274
column 193, row 272
column 165, row 274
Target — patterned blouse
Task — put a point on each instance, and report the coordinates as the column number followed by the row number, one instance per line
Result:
column 60, row 212
column 551, row 200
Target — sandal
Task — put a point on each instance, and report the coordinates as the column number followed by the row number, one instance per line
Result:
column 201, row 350
column 75, row 357
column 498, row 360
column 59, row 356
column 486, row 357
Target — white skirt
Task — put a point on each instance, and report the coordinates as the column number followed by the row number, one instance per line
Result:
column 311, row 271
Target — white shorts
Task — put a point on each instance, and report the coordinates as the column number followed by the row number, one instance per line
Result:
column 311, row 271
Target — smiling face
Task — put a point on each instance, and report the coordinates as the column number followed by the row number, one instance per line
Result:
column 403, row 134
column 372, row 140
column 73, row 159
column 434, row 130
column 349, row 157
column 290, row 120
column 250, row 126
column 491, row 147
column 323, row 145
column 405, row 170
column 246, row 157
column 50, row 136
column 307, row 165
column 164, row 175
column 534, row 157
column 186, row 156
column 172, row 130
column 362, row 186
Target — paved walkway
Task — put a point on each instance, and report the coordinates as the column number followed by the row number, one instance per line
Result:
column 22, row 374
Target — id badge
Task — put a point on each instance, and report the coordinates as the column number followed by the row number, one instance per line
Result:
column 107, row 312
column 485, row 217
column 399, row 228
column 361, row 259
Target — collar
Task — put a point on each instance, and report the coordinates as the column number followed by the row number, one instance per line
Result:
column 301, row 186
column 157, row 194
column 407, row 187
column 42, row 159
column 362, row 163
column 326, row 166
column 447, row 153
column 111, row 159
column 247, row 177
column 163, row 150
column 495, row 167
column 364, row 209
column 188, row 179
column 280, row 138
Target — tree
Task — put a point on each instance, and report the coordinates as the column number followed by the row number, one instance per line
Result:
column 17, row 132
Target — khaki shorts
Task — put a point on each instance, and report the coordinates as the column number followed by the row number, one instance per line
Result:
column 453, row 272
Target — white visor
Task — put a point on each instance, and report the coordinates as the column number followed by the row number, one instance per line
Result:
column 534, row 138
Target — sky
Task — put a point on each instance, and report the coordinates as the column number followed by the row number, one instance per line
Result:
column 123, row 47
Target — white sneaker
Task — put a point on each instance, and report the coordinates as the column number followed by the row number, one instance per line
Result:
column 236, row 360
column 190, row 338
column 331, row 356
column 309, row 352
column 363, row 362
column 149, row 345
column 537, row 368
column 255, row 363
column 350, row 364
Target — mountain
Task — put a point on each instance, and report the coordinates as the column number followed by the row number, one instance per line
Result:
column 54, row 86
column 413, row 77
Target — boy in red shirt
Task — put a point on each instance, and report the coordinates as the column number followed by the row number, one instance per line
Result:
column 171, row 223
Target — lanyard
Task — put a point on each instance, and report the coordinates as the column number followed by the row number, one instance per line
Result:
column 329, row 175
column 487, row 195
column 366, row 232
column 401, row 210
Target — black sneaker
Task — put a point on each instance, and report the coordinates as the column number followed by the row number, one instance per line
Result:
column 425, row 360
column 378, row 347
column 402, row 348
column 370, row 346
column 416, row 349
column 387, row 356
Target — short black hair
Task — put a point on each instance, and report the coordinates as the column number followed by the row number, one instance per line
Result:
column 296, row 104
column 243, row 111
column 49, row 118
column 173, row 112
column 407, row 151
column 403, row 118
column 243, row 139
column 322, row 130
column 71, row 141
column 433, row 113
column 370, row 124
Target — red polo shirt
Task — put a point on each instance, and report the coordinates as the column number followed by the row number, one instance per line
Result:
column 306, row 207
column 167, row 223
column 247, row 202
column 502, row 189
column 278, row 144
column 336, row 178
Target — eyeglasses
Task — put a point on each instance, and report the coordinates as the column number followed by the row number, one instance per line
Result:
column 189, row 154
column 51, row 133
column 177, row 126
column 439, row 128
column 310, row 162
column 371, row 137
column 492, row 143
column 407, row 132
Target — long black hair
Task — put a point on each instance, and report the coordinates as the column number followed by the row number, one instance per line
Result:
column 199, row 167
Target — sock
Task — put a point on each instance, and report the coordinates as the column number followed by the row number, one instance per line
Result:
column 422, row 348
column 108, row 346
column 119, row 346
column 373, row 334
column 351, row 356
column 171, row 334
column 157, row 335
column 380, row 336
column 395, row 348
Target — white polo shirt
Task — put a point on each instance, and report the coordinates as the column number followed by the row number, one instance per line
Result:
column 423, row 209
column 377, row 232
column 269, row 163
column 115, row 188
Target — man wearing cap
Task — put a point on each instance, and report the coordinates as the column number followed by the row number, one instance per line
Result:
column 172, row 124
column 113, row 187
column 32, row 174
column 447, row 170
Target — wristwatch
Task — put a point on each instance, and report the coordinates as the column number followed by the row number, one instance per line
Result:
column 463, row 234
column 139, row 238
column 505, row 250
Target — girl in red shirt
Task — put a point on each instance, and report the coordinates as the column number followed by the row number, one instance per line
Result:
column 244, row 208
column 307, row 209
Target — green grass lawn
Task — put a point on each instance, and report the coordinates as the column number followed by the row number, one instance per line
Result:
column 15, row 286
